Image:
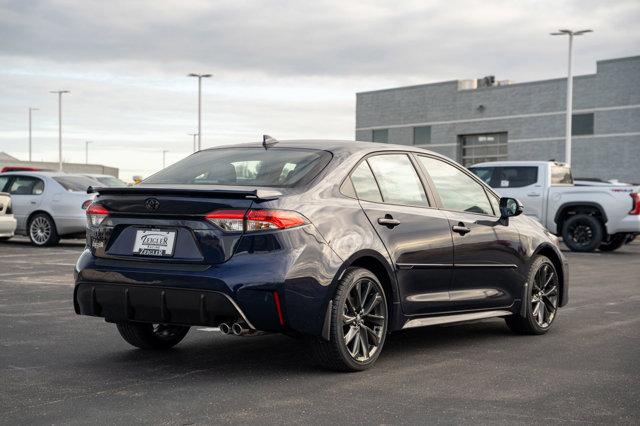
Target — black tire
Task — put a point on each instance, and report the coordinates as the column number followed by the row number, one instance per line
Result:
column 614, row 242
column 336, row 354
column 42, row 230
column 152, row 336
column 582, row 233
column 541, row 270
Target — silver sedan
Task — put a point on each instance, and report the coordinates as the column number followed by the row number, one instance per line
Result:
column 48, row 205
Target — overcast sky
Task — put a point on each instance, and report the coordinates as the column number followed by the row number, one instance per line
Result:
column 287, row 68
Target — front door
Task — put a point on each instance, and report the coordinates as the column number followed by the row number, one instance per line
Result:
column 416, row 235
column 487, row 263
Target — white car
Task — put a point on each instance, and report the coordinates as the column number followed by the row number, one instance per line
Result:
column 7, row 221
column 48, row 205
column 107, row 180
column 587, row 217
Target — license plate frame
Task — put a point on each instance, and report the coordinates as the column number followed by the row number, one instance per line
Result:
column 154, row 242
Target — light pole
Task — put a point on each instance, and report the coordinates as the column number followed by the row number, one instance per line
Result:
column 86, row 151
column 30, row 109
column 164, row 152
column 567, row 143
column 200, row 77
column 194, row 140
column 60, row 92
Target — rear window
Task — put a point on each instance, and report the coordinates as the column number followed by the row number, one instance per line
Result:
column 278, row 167
column 75, row 183
column 561, row 175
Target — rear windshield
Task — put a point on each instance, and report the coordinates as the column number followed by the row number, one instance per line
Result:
column 279, row 167
column 75, row 183
column 111, row 182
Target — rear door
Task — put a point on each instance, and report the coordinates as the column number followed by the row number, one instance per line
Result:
column 487, row 262
column 416, row 234
column 26, row 196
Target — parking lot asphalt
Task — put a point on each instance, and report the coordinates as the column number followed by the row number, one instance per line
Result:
column 57, row 367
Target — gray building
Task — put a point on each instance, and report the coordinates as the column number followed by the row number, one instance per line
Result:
column 7, row 160
column 484, row 120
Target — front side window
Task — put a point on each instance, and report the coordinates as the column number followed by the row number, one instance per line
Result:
column 561, row 175
column 457, row 190
column 398, row 180
column 273, row 167
column 26, row 185
column 3, row 182
column 507, row 177
column 365, row 184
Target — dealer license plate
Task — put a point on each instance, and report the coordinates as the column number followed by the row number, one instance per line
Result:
column 154, row 242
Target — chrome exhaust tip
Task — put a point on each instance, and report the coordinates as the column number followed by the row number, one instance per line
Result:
column 224, row 328
column 239, row 329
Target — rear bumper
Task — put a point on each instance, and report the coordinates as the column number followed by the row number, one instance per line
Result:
column 70, row 225
column 7, row 226
column 120, row 303
column 629, row 224
column 296, row 264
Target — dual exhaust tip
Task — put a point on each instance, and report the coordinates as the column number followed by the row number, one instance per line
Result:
column 236, row 329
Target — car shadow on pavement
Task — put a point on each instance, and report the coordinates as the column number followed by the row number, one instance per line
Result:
column 273, row 355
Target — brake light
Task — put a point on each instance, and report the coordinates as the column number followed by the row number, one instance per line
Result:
column 255, row 220
column 86, row 204
column 96, row 214
column 636, row 203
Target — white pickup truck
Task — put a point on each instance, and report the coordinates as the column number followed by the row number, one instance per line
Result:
column 587, row 217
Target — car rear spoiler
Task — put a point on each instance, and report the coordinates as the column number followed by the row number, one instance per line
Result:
column 192, row 190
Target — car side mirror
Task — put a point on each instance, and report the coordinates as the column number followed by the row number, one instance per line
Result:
column 510, row 207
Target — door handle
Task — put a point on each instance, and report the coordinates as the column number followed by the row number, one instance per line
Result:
column 32, row 202
column 533, row 194
column 388, row 221
column 460, row 228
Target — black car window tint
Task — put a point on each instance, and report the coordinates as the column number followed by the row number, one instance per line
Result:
column 457, row 190
column 398, row 180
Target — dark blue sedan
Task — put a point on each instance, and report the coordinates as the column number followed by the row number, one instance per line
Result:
column 337, row 242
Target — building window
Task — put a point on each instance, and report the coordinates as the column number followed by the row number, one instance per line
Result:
column 582, row 124
column 422, row 135
column 481, row 148
column 381, row 135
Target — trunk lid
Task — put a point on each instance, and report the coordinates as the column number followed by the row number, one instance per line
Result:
column 176, row 212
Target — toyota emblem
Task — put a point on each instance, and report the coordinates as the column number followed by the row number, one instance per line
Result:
column 152, row 204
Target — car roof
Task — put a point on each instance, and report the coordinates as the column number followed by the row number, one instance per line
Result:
column 516, row 163
column 333, row 146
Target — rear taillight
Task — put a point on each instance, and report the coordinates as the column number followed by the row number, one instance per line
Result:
column 96, row 214
column 636, row 203
column 255, row 220
column 86, row 204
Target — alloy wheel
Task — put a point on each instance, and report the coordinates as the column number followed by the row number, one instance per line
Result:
column 40, row 230
column 544, row 300
column 363, row 320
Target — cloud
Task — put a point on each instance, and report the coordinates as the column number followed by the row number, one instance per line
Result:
column 289, row 68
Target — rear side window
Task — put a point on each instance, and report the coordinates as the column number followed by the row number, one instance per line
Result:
column 75, row 183
column 507, row 177
column 457, row 191
column 365, row 184
column 277, row 167
column 26, row 185
column 398, row 180
column 561, row 175
column 3, row 182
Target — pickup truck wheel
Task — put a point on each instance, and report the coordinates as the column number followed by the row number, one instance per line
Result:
column 541, row 301
column 582, row 232
column 614, row 242
column 152, row 336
